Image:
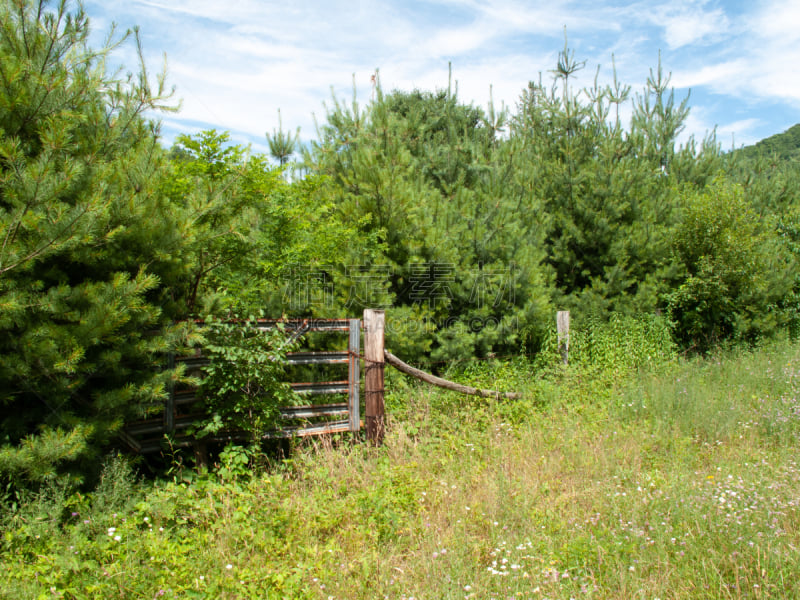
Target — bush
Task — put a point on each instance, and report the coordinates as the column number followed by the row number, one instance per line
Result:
column 243, row 384
column 737, row 271
column 80, row 298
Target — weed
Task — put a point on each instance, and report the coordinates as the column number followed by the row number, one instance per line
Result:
column 620, row 482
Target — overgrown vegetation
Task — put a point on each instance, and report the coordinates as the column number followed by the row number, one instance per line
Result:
column 636, row 469
column 243, row 363
column 679, row 480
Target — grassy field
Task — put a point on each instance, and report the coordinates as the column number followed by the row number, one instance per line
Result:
column 679, row 481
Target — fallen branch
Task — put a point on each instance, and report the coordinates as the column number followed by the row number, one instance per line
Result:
column 443, row 383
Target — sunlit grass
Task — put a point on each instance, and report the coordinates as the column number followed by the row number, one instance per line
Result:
column 680, row 484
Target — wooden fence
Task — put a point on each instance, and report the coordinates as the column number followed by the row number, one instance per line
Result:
column 181, row 411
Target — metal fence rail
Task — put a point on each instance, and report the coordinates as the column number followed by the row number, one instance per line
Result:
column 148, row 435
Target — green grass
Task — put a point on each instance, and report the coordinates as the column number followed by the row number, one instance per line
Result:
column 676, row 483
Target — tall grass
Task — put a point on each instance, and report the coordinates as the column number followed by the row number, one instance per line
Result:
column 676, row 483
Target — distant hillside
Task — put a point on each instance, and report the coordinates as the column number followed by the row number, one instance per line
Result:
column 786, row 145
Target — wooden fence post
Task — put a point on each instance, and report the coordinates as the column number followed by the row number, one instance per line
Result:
column 562, row 323
column 373, row 375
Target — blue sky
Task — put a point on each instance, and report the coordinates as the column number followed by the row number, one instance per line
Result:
column 234, row 63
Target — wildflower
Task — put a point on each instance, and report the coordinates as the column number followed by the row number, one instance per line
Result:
column 229, row 567
column 117, row 538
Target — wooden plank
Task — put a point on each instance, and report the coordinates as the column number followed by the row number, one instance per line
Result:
column 152, row 445
column 195, row 361
column 185, row 396
column 132, row 442
column 150, row 426
column 327, row 428
column 373, row 378
column 305, row 324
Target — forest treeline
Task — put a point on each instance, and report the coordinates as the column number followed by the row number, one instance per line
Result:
column 471, row 226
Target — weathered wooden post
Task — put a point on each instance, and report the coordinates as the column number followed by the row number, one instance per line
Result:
column 373, row 375
column 562, row 324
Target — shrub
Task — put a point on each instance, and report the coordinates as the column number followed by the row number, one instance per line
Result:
column 243, row 384
column 737, row 271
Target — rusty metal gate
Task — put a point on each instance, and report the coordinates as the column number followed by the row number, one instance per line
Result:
column 179, row 414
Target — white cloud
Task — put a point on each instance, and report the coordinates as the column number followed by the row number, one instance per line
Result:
column 234, row 64
column 455, row 42
column 778, row 21
column 739, row 133
column 690, row 23
column 758, row 60
column 723, row 76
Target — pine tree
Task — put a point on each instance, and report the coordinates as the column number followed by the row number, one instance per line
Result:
column 608, row 192
column 81, row 324
column 282, row 144
column 430, row 174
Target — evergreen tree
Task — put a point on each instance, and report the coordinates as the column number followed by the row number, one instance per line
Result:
column 608, row 192
column 282, row 144
column 430, row 175
column 80, row 316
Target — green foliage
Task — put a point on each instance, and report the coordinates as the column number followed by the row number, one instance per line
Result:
column 81, row 323
column 36, row 457
column 243, row 386
column 250, row 235
column 621, row 344
column 282, row 144
column 235, row 461
column 737, row 270
column 215, row 196
column 782, row 146
column 666, row 482
column 429, row 176
column 607, row 191
column 469, row 224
